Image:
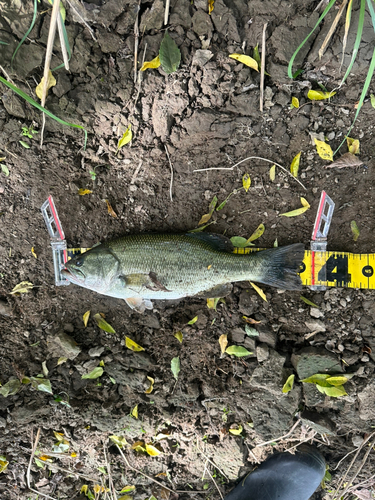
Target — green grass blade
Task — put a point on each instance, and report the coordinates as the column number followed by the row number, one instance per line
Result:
column 3, row 43
column 26, row 34
column 325, row 12
column 357, row 40
column 31, row 101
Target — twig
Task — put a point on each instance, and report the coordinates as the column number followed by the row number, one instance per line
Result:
column 166, row 12
column 212, row 463
column 33, row 449
column 251, row 158
column 139, row 81
column 76, row 9
column 170, row 164
column 50, row 42
column 136, row 172
column 6, row 75
column 216, row 486
column 136, row 42
column 62, row 42
column 110, row 481
column 332, row 29
column 262, row 64
column 279, row 438
column 151, row 478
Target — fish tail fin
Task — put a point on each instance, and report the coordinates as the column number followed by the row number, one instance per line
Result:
column 281, row 266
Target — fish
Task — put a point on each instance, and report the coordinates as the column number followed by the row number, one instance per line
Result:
column 144, row 267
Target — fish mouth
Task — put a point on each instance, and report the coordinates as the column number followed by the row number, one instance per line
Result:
column 73, row 278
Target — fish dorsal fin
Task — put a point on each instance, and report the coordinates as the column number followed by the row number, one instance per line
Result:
column 216, row 241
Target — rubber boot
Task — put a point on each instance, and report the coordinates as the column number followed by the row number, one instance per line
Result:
column 283, row 477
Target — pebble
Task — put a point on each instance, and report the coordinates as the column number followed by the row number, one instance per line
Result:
column 365, row 359
column 5, row 309
column 343, row 303
column 316, row 313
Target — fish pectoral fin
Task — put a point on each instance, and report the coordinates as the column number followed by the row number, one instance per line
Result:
column 134, row 280
column 139, row 304
column 216, row 292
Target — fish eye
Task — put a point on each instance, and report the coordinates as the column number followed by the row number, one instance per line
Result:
column 79, row 262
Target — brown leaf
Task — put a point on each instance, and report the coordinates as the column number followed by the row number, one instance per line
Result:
column 346, row 160
column 110, row 210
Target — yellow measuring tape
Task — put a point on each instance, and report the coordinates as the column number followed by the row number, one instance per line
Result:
column 333, row 269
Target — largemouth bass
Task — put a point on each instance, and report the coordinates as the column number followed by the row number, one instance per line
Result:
column 171, row 266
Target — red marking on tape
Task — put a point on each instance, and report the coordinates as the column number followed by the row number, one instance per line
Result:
column 313, row 268
column 320, row 210
column 53, row 210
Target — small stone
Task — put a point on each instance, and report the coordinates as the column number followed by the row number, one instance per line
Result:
column 316, row 313
column 365, row 358
column 266, row 335
column 68, row 327
column 320, row 423
column 3, row 423
column 315, row 326
column 238, row 335
column 263, row 353
column 312, row 360
column 63, row 345
column 201, row 57
column 96, row 351
column 357, row 441
column 343, row 303
column 5, row 309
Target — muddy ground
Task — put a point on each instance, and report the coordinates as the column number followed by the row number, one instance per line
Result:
column 206, row 115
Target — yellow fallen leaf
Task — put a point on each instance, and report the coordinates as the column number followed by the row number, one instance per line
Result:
column 82, row 192
column 319, row 95
column 51, row 83
column 192, row 321
column 295, row 102
column 84, row 489
column 62, row 360
column 206, row 217
column 298, row 211
column 294, row 166
column 223, row 341
column 33, row 252
column 179, row 336
column 102, row 324
column 288, row 386
column 152, row 451
column 111, row 212
column 212, row 303
column 355, row 230
column 45, row 458
column 120, row 441
column 23, row 287
column 139, row 446
column 133, row 346
column 85, row 318
column 246, row 182
column 126, row 137
column 154, row 64
column 259, row 290
column 151, row 388
column 257, row 233
column 73, row 454
column 272, row 173
column 353, row 145
column 324, row 150
column 236, row 432
column 340, row 380
column 134, row 412
column 210, row 6
column 247, row 60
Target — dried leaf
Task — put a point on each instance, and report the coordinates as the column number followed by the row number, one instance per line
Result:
column 298, row 211
column 152, row 451
column 212, row 303
column 85, row 318
column 111, row 212
column 179, row 336
column 134, row 412
column 246, row 182
column 120, row 441
column 102, row 324
column 170, row 55
column 353, row 145
column 324, row 150
column 295, row 102
column 62, row 360
column 45, row 369
column 151, row 388
column 95, row 373
column 294, row 166
column 288, row 386
column 223, row 342
column 259, row 291
column 33, row 252
column 175, row 367
column 308, row 302
column 238, row 351
column 247, row 60
column 339, row 380
column 154, row 64
column 346, row 160
column 272, row 173
column 205, row 218
column 372, row 97
column 133, row 346
column 239, row 242
column 192, row 321
column 41, row 384
column 83, row 192
column 238, row 431
column 319, row 95
column 251, row 332
column 11, row 387
column 51, row 83
column 355, row 230
column 210, row 6
column 127, row 136
column 139, row 446
column 257, row 233
column 23, row 287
